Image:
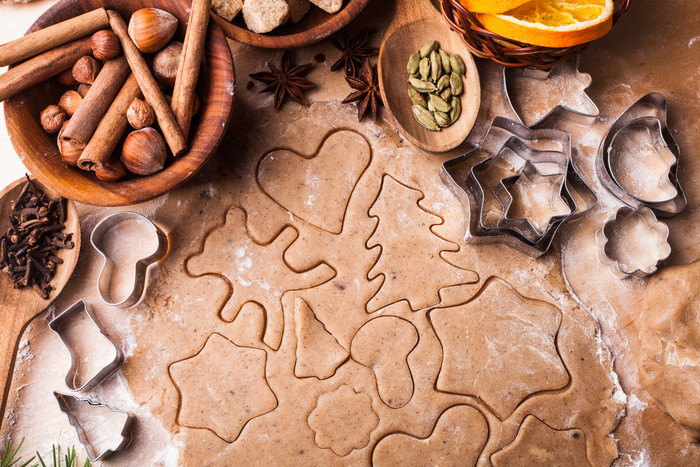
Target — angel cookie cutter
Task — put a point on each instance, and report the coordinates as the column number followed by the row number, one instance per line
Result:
column 97, row 238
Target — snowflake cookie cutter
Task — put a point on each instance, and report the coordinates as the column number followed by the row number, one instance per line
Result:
column 67, row 403
column 97, row 238
column 581, row 117
column 656, row 232
column 649, row 113
column 60, row 326
column 511, row 140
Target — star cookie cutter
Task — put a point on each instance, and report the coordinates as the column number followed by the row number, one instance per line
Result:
column 60, row 324
column 581, row 117
column 511, row 141
column 656, row 232
column 650, row 113
column 67, row 404
column 141, row 266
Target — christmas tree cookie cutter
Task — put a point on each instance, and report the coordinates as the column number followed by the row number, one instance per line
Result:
column 140, row 267
column 67, row 405
column 648, row 113
column 61, row 324
column 647, row 231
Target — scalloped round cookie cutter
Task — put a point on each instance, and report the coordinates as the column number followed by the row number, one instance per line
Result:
column 140, row 267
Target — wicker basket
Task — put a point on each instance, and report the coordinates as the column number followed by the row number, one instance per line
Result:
column 486, row 44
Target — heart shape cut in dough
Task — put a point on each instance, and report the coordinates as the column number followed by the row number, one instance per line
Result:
column 317, row 188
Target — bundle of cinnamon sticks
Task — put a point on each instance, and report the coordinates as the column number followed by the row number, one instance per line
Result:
column 93, row 118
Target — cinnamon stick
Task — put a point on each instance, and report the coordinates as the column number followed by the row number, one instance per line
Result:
column 84, row 121
column 53, row 36
column 42, row 67
column 111, row 128
column 151, row 92
column 190, row 61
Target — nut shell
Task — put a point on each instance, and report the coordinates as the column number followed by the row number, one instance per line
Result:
column 166, row 63
column 66, row 78
column 144, row 151
column 52, row 118
column 83, row 89
column 140, row 114
column 151, row 29
column 69, row 153
column 70, row 101
column 112, row 171
column 105, row 45
column 85, row 70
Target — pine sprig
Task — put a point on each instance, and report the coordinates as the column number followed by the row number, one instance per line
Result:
column 10, row 459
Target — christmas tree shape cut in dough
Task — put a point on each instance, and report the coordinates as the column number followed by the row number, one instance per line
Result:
column 317, row 188
column 486, row 341
column 411, row 259
column 257, row 271
column 457, row 440
column 222, row 387
column 539, row 445
column 318, row 353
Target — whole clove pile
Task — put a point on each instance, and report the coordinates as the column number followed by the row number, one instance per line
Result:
column 29, row 247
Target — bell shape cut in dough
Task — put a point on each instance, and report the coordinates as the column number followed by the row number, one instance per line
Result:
column 318, row 353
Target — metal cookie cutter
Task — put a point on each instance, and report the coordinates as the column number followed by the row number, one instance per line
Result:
column 582, row 117
column 648, row 113
column 653, row 231
column 141, row 266
column 68, row 406
column 59, row 326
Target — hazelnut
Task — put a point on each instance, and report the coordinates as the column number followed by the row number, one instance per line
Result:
column 86, row 69
column 151, row 29
column 144, row 151
column 112, row 171
column 166, row 63
column 105, row 45
column 140, row 114
column 69, row 153
column 83, row 89
column 66, row 78
column 70, row 101
column 52, row 118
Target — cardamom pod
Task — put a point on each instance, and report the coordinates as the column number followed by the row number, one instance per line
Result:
column 442, row 119
column 456, row 84
column 425, row 118
column 439, row 104
column 422, row 86
column 443, row 82
column 417, row 98
column 457, row 65
column 445, row 59
column 435, row 66
column 427, row 48
column 456, row 109
column 425, row 68
column 413, row 63
column 446, row 94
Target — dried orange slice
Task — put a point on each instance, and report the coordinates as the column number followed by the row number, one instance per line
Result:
column 491, row 6
column 553, row 23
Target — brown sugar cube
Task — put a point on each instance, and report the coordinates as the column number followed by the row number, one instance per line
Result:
column 263, row 16
column 330, row 6
column 227, row 9
column 298, row 9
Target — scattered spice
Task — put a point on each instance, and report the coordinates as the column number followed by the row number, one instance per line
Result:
column 286, row 81
column 367, row 93
column 250, row 85
column 29, row 247
column 355, row 51
column 320, row 58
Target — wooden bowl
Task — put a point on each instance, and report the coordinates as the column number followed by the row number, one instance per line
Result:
column 314, row 27
column 38, row 150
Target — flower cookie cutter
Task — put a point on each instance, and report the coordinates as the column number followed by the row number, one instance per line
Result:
column 582, row 117
column 650, row 114
column 647, row 232
column 67, row 404
column 140, row 268
column 60, row 326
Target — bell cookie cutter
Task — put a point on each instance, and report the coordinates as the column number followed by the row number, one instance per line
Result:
column 65, row 402
column 581, row 117
column 59, row 324
column 649, row 112
column 140, row 268
column 652, row 227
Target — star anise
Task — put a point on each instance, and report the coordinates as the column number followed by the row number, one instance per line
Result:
column 286, row 81
column 367, row 93
column 355, row 51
